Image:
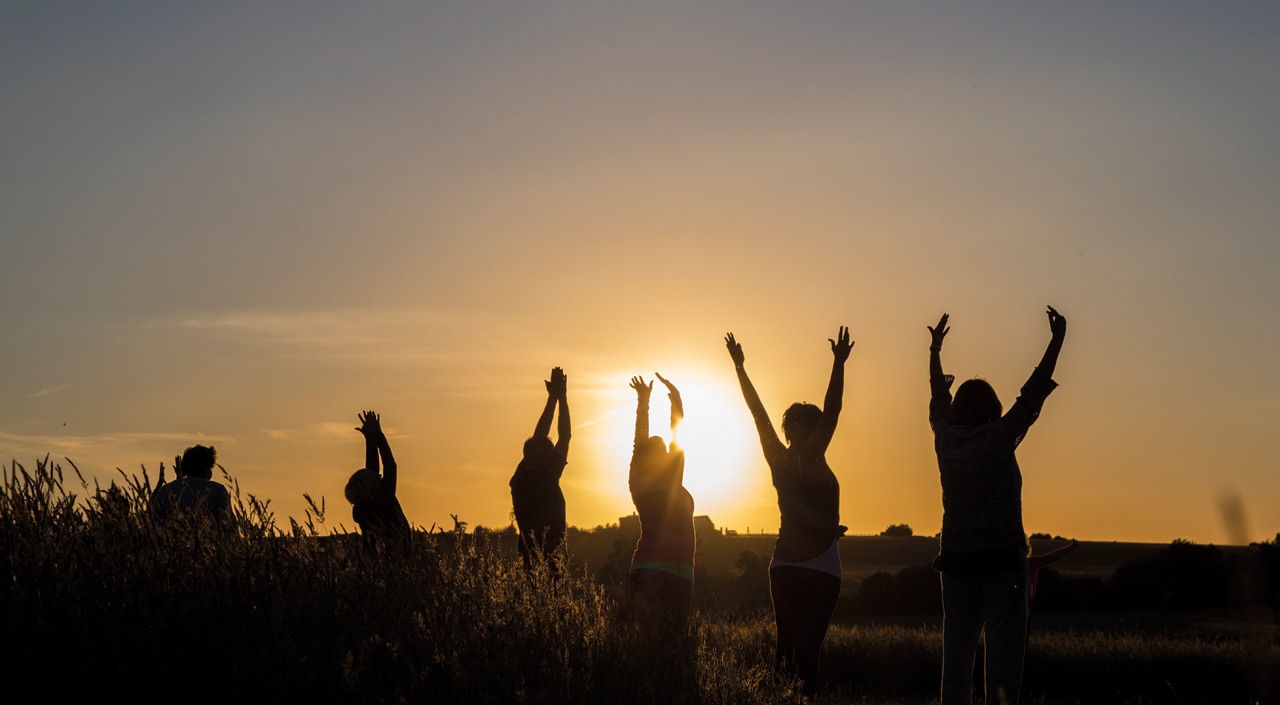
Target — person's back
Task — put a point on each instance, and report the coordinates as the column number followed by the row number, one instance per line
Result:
column 374, row 506
column 665, row 508
column 194, row 488
column 983, row 547
column 981, row 487
column 536, row 498
column 187, row 493
column 382, row 520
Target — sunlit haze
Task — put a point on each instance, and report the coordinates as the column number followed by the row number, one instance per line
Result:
column 241, row 225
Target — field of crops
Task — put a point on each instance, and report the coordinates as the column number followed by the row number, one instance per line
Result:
column 100, row 599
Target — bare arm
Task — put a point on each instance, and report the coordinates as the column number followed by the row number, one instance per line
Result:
column 1058, row 332
column 389, row 469
column 543, row 429
column 1054, row 556
column 642, row 408
column 939, row 383
column 376, row 445
column 834, row 401
column 935, row 347
column 677, row 405
column 768, row 437
column 369, row 422
column 557, row 388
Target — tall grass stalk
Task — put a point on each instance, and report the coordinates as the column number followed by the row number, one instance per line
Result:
column 101, row 599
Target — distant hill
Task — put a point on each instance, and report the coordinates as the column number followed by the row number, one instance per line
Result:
column 861, row 556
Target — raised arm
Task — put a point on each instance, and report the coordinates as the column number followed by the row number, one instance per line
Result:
column 642, row 408
column 768, row 437
column 834, row 401
column 1026, row 409
column 563, row 427
column 939, row 382
column 369, row 422
column 1058, row 332
column 543, row 429
column 677, row 406
column 935, row 347
column 376, row 445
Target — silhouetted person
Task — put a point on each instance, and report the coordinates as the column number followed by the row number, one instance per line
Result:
column 983, row 554
column 374, row 506
column 536, row 497
column 661, row 576
column 804, row 574
column 193, row 487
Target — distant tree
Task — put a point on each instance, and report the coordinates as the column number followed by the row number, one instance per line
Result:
column 898, row 530
column 1185, row 575
column 1041, row 536
column 745, row 590
column 914, row 590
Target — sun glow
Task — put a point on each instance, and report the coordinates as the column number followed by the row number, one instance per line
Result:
column 723, row 464
column 721, row 449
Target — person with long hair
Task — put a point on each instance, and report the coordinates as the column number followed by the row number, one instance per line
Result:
column 661, row 577
column 374, row 505
column 536, row 498
column 983, row 547
column 805, row 572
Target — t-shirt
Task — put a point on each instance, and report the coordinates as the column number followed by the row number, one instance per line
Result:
column 808, row 502
column 981, row 481
column 536, row 496
column 381, row 519
column 191, row 492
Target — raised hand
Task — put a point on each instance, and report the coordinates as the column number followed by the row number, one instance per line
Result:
column 842, row 346
column 735, row 349
column 671, row 388
column 1057, row 323
column 642, row 390
column 369, row 423
column 557, row 385
column 939, row 332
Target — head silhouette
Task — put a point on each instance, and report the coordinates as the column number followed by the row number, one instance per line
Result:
column 649, row 454
column 975, row 404
column 799, row 422
column 362, row 486
column 198, row 461
column 538, row 447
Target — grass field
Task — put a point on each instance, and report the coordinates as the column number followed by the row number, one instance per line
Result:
column 100, row 601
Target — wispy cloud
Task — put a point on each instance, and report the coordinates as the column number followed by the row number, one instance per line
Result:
column 49, row 390
column 363, row 336
column 324, row 431
column 103, row 448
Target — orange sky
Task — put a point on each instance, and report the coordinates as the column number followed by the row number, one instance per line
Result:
column 240, row 226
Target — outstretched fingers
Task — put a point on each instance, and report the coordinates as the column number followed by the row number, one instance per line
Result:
column 940, row 331
column 638, row 384
column 735, row 349
column 841, row 346
column 369, row 422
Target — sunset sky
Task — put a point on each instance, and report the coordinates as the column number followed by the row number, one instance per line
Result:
column 239, row 224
